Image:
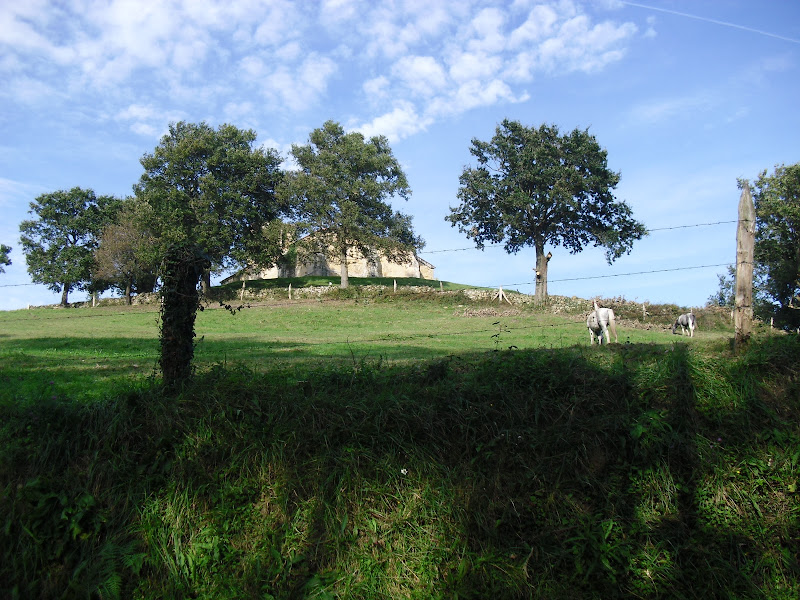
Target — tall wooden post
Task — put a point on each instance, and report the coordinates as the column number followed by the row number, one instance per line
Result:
column 745, row 245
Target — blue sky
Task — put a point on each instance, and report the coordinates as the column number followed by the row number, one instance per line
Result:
column 685, row 95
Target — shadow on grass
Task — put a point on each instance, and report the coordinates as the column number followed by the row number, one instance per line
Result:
column 629, row 471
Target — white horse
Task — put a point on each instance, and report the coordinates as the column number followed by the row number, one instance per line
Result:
column 686, row 322
column 599, row 322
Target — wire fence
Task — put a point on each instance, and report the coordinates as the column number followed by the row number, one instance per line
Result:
column 581, row 278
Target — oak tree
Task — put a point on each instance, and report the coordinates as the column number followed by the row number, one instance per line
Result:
column 341, row 193
column 210, row 192
column 59, row 244
column 536, row 187
column 125, row 258
column 777, row 245
column 212, row 188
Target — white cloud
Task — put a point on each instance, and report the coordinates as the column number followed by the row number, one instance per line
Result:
column 279, row 21
column 401, row 122
column 189, row 55
column 650, row 32
column 376, row 88
column 671, row 108
column 478, row 63
column 300, row 87
column 423, row 75
column 236, row 111
column 137, row 112
column 477, row 93
column 28, row 90
column 253, row 67
column 289, row 52
column 468, row 65
column 315, row 72
column 338, row 11
column 539, row 24
column 145, row 130
column 488, row 26
column 391, row 30
column 420, row 59
column 582, row 47
column 146, row 120
column 21, row 25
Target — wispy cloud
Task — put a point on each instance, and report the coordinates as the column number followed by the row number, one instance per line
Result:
column 666, row 109
column 714, row 21
column 416, row 61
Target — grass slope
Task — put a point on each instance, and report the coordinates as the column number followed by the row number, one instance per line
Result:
column 649, row 469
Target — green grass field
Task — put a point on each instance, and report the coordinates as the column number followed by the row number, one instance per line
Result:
column 381, row 445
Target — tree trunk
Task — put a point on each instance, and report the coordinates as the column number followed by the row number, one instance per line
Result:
column 64, row 295
column 343, row 271
column 183, row 269
column 206, row 282
column 542, row 259
column 128, row 293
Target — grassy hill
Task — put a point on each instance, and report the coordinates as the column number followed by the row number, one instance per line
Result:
column 409, row 445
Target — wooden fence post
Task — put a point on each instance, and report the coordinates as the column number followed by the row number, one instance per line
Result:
column 745, row 250
column 290, row 291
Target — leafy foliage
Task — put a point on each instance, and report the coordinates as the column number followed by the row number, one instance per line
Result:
column 341, row 193
column 210, row 194
column 125, row 257
column 211, row 188
column 777, row 250
column 59, row 245
column 534, row 187
column 725, row 294
column 4, row 259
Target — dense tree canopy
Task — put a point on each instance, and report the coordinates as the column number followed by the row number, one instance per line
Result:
column 211, row 188
column 777, row 250
column 125, row 258
column 4, row 258
column 209, row 194
column 59, row 245
column 341, row 190
column 536, row 187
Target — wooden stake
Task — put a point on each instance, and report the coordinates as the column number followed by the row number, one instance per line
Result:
column 290, row 291
column 745, row 246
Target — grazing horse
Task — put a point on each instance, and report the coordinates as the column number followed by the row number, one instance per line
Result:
column 599, row 322
column 685, row 322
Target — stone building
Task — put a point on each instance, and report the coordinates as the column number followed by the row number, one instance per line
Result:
column 374, row 264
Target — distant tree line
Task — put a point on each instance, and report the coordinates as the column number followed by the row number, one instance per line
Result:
column 213, row 190
column 776, row 283
column 209, row 200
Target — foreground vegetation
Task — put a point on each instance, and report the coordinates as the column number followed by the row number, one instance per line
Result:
column 385, row 447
